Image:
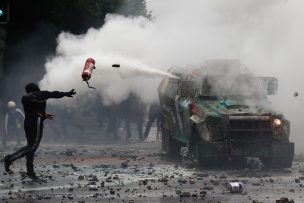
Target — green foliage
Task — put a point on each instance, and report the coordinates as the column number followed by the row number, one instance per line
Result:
column 134, row 8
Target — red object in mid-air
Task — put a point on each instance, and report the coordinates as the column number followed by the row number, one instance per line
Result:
column 88, row 70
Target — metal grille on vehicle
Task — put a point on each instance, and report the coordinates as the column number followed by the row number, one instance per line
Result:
column 250, row 127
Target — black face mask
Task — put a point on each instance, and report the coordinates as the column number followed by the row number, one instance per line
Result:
column 31, row 87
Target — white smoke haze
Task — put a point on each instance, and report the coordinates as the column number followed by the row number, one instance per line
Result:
column 267, row 36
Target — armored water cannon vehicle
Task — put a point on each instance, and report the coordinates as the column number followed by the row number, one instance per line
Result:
column 220, row 110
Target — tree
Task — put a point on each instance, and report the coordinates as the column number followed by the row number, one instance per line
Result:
column 35, row 24
column 72, row 15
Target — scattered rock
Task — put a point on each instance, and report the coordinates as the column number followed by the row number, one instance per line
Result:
column 163, row 180
column 222, row 176
column 244, row 192
column 185, row 194
column 115, row 177
column 256, row 184
column 284, row 200
column 55, row 166
column 80, row 177
column 256, row 201
column 215, row 182
column 94, row 179
column 112, row 192
column 145, row 182
column 124, row 164
column 93, row 187
column 109, row 179
column 192, row 182
column 203, row 193
column 182, row 181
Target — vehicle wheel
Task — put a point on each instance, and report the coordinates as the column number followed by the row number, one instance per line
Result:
column 170, row 146
column 164, row 140
column 281, row 156
column 193, row 153
column 238, row 162
column 277, row 162
column 193, row 148
column 214, row 162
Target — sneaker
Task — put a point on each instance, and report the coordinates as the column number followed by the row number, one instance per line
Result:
column 7, row 163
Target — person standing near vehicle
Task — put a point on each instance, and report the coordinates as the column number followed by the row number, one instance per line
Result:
column 154, row 115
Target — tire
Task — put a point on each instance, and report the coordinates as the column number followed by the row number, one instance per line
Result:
column 165, row 140
column 201, row 160
column 281, row 156
column 170, row 145
column 193, row 148
column 277, row 162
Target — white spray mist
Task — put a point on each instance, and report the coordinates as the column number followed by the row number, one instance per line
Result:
column 267, row 36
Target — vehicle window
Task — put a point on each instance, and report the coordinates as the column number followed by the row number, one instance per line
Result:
column 239, row 85
column 172, row 88
column 187, row 88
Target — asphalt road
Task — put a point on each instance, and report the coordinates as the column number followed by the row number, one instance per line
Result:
column 139, row 172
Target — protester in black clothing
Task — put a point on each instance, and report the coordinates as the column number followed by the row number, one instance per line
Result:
column 34, row 104
column 154, row 114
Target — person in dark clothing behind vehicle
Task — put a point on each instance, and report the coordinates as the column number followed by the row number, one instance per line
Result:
column 154, row 114
column 34, row 104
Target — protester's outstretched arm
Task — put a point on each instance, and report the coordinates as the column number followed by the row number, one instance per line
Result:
column 45, row 95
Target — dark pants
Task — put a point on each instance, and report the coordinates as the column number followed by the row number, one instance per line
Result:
column 112, row 128
column 152, row 118
column 139, row 124
column 33, row 135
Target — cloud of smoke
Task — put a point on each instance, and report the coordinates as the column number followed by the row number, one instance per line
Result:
column 114, row 84
column 267, row 36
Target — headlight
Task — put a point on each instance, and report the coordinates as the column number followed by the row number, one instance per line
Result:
column 277, row 122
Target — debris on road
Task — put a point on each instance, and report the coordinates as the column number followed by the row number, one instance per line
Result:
column 236, row 187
